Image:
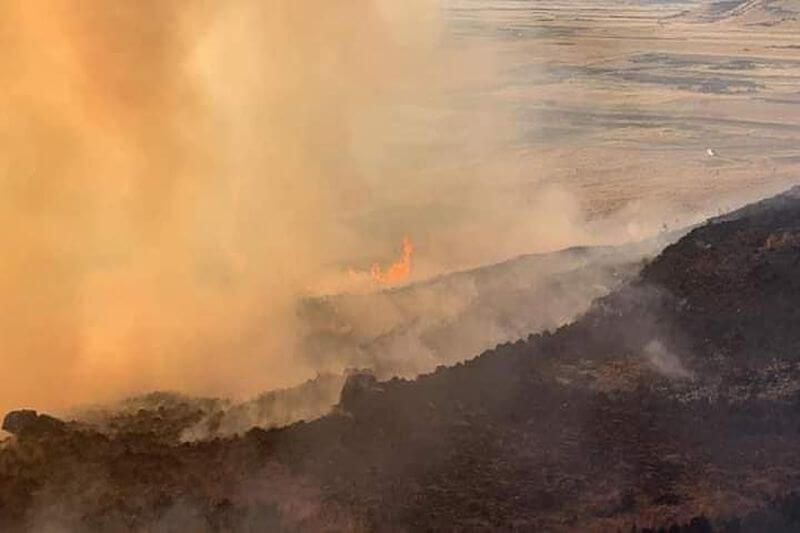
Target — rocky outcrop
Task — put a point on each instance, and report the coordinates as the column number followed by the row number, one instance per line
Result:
column 360, row 386
column 29, row 422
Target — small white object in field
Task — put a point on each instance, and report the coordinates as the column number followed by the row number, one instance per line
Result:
column 711, row 152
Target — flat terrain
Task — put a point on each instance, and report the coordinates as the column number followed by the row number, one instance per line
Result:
column 621, row 100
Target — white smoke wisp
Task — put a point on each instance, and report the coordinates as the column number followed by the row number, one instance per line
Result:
column 665, row 362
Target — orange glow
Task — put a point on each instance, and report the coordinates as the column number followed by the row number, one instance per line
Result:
column 397, row 272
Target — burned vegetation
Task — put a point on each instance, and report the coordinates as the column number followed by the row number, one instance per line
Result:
column 672, row 404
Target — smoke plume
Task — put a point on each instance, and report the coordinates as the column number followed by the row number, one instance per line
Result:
column 171, row 177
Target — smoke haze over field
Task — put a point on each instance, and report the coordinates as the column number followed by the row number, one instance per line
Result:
column 175, row 175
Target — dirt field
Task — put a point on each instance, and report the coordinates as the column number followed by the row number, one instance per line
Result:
column 685, row 107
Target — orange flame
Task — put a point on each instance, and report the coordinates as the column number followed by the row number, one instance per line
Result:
column 397, row 272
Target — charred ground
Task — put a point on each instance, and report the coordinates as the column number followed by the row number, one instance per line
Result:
column 674, row 400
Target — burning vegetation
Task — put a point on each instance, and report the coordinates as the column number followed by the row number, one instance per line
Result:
column 397, row 272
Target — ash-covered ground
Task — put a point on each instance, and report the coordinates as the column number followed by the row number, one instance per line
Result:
column 673, row 400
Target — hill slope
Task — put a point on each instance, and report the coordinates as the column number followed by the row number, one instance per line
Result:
column 675, row 396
